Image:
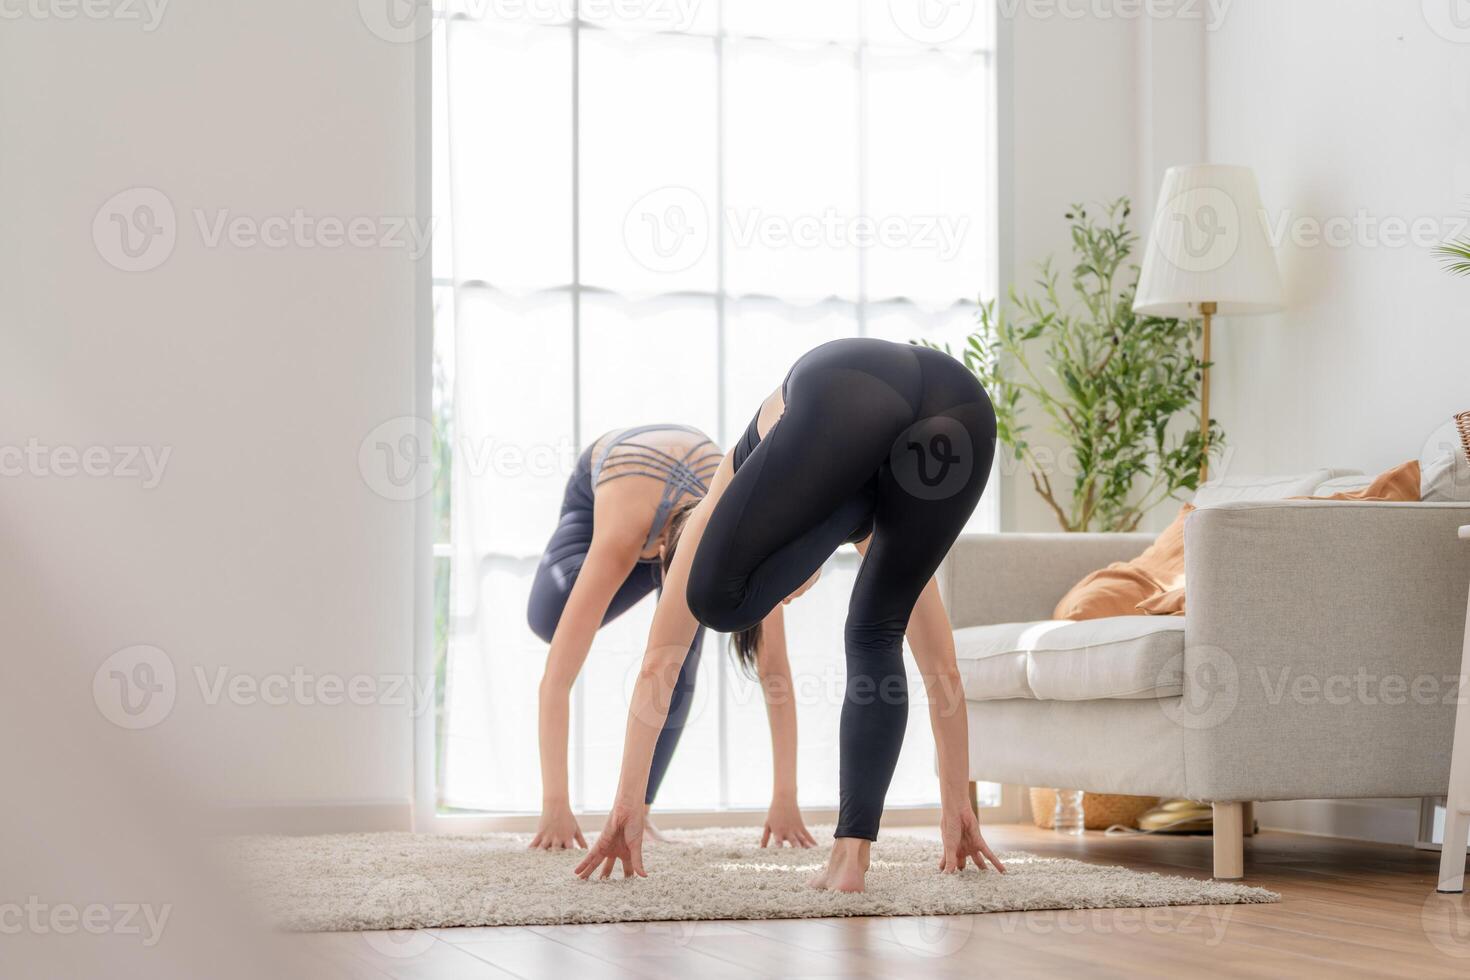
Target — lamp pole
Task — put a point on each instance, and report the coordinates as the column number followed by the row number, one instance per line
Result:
column 1207, row 312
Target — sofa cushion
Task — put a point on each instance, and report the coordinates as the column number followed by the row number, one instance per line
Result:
column 1235, row 488
column 1121, row 657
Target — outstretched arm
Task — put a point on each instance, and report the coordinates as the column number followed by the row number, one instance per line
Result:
column 669, row 638
column 783, row 822
column 932, row 641
column 610, row 557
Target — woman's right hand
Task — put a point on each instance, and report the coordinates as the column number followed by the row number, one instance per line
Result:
column 621, row 840
column 558, row 830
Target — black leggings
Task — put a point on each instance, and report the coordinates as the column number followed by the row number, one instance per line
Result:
column 557, row 573
column 875, row 435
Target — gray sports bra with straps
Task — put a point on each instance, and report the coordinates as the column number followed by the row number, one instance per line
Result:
column 685, row 473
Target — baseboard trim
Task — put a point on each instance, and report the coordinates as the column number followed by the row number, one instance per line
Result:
column 351, row 817
column 1378, row 821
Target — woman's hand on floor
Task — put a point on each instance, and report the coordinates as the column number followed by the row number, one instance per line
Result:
column 784, row 826
column 558, row 830
column 621, row 840
column 960, row 830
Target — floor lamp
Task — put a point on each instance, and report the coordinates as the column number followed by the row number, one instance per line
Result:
column 1208, row 255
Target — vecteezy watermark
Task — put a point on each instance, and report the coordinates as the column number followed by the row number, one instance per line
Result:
column 148, row 13
column 138, row 687
column 396, row 459
column 1209, row 922
column 1211, row 12
column 1211, row 685
column 135, row 688
column 1450, row 19
column 1361, row 686
column 1445, row 459
column 1445, row 921
column 36, row 459
column 41, row 918
column 137, row 230
column 310, row 689
column 934, row 458
column 934, row 936
column 1199, row 229
column 940, row 233
column 669, row 230
column 1361, row 229
column 934, row 21
column 404, row 904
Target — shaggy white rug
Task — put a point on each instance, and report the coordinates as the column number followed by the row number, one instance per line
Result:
column 406, row 881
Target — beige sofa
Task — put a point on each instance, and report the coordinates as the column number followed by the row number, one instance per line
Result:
column 1318, row 659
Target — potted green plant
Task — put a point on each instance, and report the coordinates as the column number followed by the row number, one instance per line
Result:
column 1120, row 389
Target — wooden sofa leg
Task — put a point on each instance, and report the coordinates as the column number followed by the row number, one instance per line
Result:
column 1229, row 841
column 1248, row 819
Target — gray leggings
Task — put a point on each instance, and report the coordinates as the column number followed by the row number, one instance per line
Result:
column 557, row 573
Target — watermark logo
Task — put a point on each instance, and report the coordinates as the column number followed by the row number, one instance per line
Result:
column 405, row 903
column 667, row 230
column 395, row 458
column 135, row 230
column 1446, row 924
column 933, row 459
column 135, row 688
column 691, row 701
column 934, row 936
column 1450, row 19
column 1211, row 687
column 1199, row 229
column 932, row 21
column 397, row 21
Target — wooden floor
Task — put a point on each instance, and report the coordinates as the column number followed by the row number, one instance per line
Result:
column 1347, row 909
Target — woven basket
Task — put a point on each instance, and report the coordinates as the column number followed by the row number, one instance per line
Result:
column 1099, row 810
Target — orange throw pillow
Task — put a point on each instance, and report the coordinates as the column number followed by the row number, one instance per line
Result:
column 1118, row 589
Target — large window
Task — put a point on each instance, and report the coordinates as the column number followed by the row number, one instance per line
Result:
column 646, row 213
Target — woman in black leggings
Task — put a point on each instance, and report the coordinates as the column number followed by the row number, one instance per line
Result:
column 883, row 445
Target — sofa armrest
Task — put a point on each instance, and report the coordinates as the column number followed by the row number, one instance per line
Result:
column 1322, row 648
column 1017, row 578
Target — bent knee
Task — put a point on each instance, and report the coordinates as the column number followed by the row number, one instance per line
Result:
column 716, row 607
column 542, row 617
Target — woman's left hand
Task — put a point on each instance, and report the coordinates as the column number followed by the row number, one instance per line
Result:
column 784, row 826
column 960, row 830
column 621, row 840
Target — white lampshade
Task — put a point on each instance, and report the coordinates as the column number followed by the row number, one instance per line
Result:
column 1208, row 245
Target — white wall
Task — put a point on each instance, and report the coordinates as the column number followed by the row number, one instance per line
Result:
column 1093, row 107
column 261, row 370
column 1345, row 108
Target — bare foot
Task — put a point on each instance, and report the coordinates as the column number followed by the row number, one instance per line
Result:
column 649, row 830
column 846, row 867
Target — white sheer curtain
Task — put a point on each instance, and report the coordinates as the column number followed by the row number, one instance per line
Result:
column 647, row 214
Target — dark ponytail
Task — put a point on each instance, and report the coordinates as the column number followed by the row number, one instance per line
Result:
column 746, row 642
